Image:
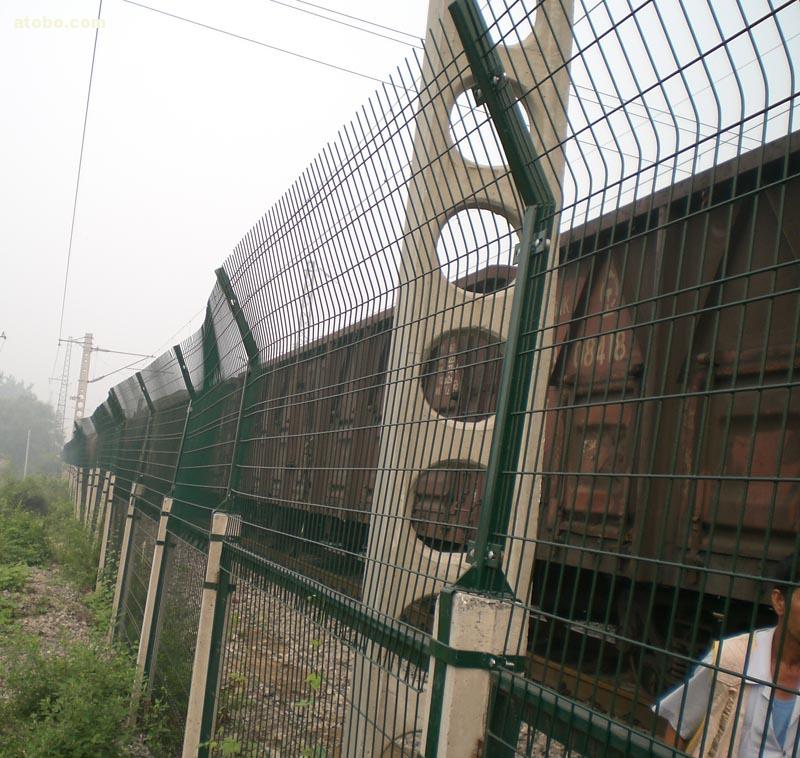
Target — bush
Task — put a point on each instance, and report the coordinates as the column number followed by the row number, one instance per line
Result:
column 13, row 578
column 37, row 525
column 23, row 536
column 71, row 546
column 74, row 703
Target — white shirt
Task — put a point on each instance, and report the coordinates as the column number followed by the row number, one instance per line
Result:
column 687, row 703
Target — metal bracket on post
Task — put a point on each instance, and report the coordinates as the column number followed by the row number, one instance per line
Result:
column 245, row 332
column 249, row 343
column 187, row 379
column 477, row 614
column 116, row 407
column 143, row 387
column 494, row 90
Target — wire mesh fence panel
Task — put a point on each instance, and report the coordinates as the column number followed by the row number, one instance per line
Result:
column 137, row 577
column 284, row 672
column 176, row 631
column 528, row 328
column 160, row 463
column 288, row 664
column 207, row 453
column 650, row 502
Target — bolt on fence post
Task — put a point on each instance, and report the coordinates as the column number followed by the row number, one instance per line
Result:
column 202, row 652
column 101, row 564
column 143, row 658
column 123, row 560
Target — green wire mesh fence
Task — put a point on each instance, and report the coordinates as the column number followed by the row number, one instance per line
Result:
column 528, row 328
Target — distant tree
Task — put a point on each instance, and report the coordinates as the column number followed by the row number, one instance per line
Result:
column 21, row 410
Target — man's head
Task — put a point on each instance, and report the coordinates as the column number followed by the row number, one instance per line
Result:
column 785, row 601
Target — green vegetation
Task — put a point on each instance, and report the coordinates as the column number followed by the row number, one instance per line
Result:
column 74, row 701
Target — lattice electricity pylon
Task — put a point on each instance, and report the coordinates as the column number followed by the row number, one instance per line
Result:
column 63, row 390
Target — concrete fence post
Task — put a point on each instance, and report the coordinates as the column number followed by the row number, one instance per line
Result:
column 472, row 634
column 123, row 560
column 78, row 492
column 153, row 598
column 96, row 514
column 106, row 529
column 91, row 497
column 205, row 637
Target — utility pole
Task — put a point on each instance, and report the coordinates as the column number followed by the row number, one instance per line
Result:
column 63, row 390
column 27, row 453
column 83, row 380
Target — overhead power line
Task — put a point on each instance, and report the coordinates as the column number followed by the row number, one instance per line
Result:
column 349, row 25
column 358, row 18
column 80, row 166
column 116, row 370
column 77, row 186
column 259, row 42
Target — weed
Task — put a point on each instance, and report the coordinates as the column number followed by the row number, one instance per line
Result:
column 73, row 703
column 13, row 578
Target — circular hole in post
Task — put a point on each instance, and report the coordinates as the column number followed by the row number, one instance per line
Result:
column 473, row 133
column 476, row 250
column 446, row 505
column 460, row 379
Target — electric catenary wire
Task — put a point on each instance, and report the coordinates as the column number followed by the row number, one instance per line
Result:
column 80, row 166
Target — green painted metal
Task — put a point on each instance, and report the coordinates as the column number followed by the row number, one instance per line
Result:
column 486, row 573
column 224, row 589
column 115, row 406
column 584, row 729
column 187, row 379
column 151, row 642
column 493, row 89
column 474, row 659
column 404, row 641
column 241, row 322
column 435, row 712
column 146, row 394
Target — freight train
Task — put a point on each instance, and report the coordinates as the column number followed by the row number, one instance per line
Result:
column 671, row 474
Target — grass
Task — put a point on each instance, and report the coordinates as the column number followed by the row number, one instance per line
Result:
column 76, row 702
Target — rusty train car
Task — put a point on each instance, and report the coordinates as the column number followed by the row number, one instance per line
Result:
column 677, row 322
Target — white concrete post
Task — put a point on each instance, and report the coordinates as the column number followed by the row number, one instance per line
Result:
column 202, row 651
column 479, row 625
column 78, row 493
column 123, row 560
column 101, row 565
column 102, row 502
column 156, row 572
column 91, row 497
column 96, row 504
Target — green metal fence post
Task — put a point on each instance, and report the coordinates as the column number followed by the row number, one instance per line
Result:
column 460, row 692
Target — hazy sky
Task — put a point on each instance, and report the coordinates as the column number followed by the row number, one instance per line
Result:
column 191, row 136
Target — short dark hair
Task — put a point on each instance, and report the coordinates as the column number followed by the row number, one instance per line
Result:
column 786, row 572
